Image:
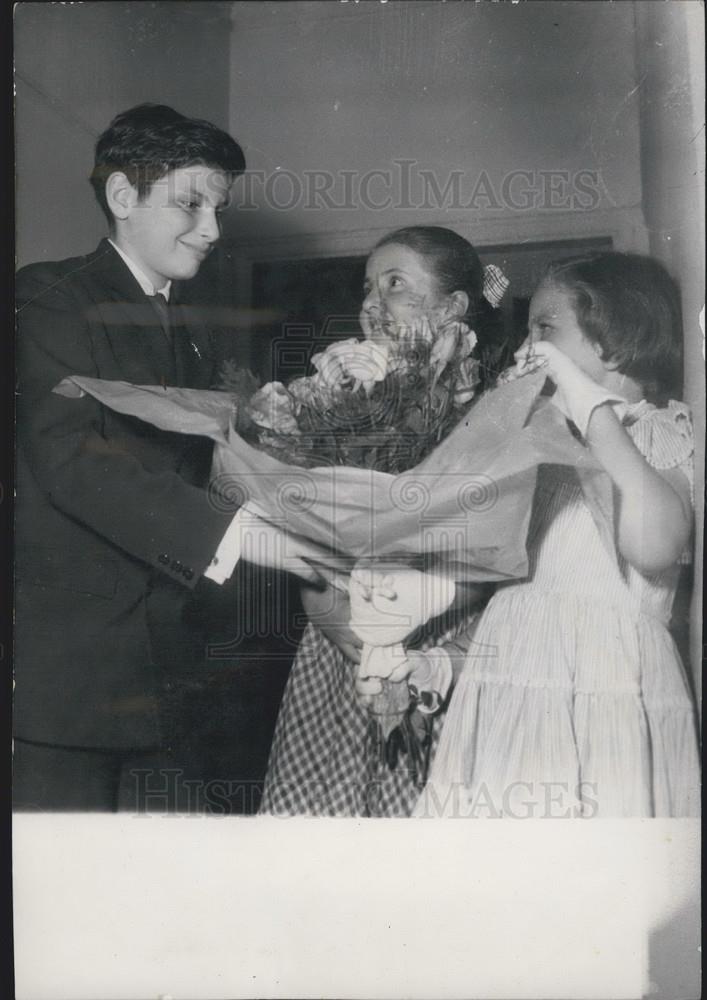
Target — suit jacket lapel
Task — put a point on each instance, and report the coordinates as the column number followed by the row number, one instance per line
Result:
column 192, row 342
column 136, row 337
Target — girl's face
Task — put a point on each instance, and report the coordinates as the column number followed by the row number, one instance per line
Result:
column 552, row 318
column 399, row 291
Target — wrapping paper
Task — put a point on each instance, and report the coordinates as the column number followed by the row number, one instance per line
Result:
column 466, row 506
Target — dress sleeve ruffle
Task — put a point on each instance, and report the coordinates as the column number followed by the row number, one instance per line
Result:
column 665, row 437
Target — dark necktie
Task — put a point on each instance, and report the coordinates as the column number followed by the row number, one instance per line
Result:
column 162, row 309
column 167, row 358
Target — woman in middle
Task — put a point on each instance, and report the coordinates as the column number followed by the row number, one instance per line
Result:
column 327, row 757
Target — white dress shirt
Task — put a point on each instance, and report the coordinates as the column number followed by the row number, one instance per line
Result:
column 140, row 276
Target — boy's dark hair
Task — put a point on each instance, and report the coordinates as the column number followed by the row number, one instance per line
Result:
column 630, row 306
column 149, row 140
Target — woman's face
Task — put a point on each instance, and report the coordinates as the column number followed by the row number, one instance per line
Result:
column 400, row 290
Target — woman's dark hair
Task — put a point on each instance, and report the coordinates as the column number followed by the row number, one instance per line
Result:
column 456, row 265
column 149, row 140
column 630, row 306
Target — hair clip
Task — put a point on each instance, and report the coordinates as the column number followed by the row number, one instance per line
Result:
column 495, row 285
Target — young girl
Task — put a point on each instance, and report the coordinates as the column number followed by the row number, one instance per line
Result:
column 322, row 760
column 573, row 700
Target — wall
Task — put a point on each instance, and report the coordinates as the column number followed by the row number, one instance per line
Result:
column 670, row 53
column 484, row 89
column 77, row 65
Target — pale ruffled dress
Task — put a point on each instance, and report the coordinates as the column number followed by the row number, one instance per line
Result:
column 573, row 700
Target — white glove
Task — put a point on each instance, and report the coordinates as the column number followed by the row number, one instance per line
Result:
column 428, row 673
column 577, row 395
column 389, row 602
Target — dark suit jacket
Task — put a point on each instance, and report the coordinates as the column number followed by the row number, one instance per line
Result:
column 113, row 525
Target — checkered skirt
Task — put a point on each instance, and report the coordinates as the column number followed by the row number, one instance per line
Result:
column 322, row 762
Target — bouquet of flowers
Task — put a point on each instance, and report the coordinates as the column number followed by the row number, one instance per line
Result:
column 462, row 509
column 370, row 404
column 384, row 405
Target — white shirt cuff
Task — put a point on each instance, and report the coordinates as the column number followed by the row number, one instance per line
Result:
column 229, row 551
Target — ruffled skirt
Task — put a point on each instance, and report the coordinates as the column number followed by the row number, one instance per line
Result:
column 567, row 706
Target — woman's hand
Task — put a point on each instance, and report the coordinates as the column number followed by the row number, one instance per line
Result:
column 329, row 610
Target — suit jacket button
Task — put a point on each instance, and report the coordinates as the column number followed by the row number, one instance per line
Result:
column 177, row 566
column 163, row 559
column 188, row 573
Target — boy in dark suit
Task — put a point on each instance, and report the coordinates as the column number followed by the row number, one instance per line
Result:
column 114, row 527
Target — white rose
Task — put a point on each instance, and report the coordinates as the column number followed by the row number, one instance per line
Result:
column 353, row 361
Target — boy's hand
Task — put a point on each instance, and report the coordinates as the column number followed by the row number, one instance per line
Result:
column 577, row 394
column 267, row 545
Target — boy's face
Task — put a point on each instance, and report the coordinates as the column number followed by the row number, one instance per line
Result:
column 172, row 230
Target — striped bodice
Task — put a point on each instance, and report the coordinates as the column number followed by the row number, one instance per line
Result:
column 567, row 555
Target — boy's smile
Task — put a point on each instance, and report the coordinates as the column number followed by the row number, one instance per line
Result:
column 171, row 231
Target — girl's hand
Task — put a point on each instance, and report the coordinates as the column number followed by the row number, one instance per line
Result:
column 430, row 673
column 563, row 371
column 330, row 610
column 370, row 686
column 654, row 515
column 577, row 395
